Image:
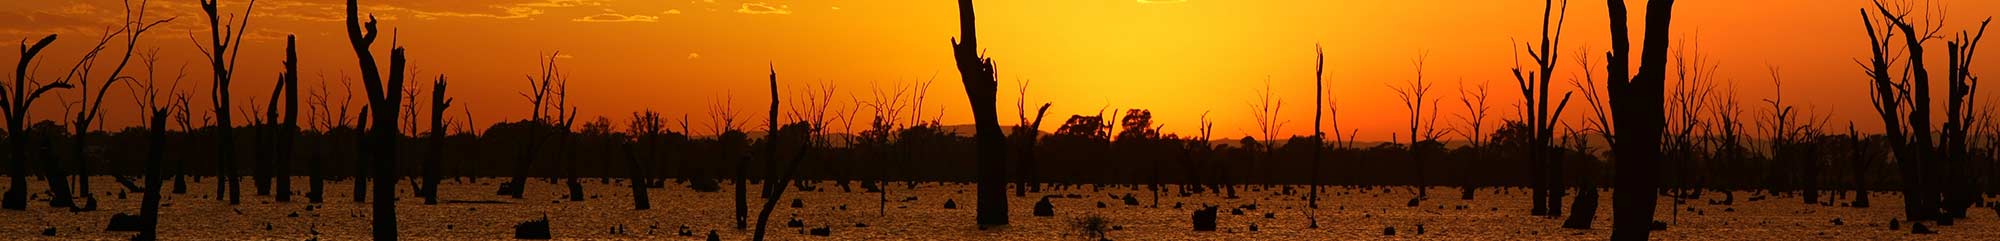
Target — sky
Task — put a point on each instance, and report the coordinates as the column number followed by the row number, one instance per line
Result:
column 1179, row 59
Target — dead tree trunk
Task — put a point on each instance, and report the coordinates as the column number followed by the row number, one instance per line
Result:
column 640, row 200
column 361, row 156
column 434, row 164
column 978, row 74
column 382, row 95
column 149, row 207
column 1636, row 102
column 288, row 132
column 223, row 66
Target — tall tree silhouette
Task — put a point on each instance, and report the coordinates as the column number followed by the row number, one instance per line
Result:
column 1319, row 135
column 1414, row 93
column 382, row 96
column 18, row 99
column 288, row 130
column 1636, row 104
column 1544, row 167
column 1932, row 174
column 646, row 126
column 435, row 162
column 222, row 52
column 978, row 74
column 361, row 163
column 1960, row 86
column 1025, row 134
column 1474, row 117
column 781, row 180
column 133, row 26
column 156, row 139
column 538, row 92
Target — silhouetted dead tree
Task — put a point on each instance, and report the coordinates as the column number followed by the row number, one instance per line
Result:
column 222, row 59
column 1727, row 134
column 361, row 163
column 781, row 180
column 1636, row 104
column 1860, row 159
column 1414, row 93
column 1783, row 127
column 149, row 206
column 133, row 26
column 288, row 132
column 1583, row 209
column 1319, row 135
column 1474, row 118
column 1534, row 84
column 52, row 170
column 381, row 96
column 18, row 99
column 1961, row 86
column 184, row 116
column 648, row 127
column 1693, row 87
column 1025, row 134
column 1264, row 109
column 433, row 164
column 978, row 74
column 538, row 92
column 723, row 119
column 1911, row 144
column 146, row 95
column 565, row 118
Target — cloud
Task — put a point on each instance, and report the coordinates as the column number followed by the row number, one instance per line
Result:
column 694, row 55
column 1162, row 1
column 616, row 18
column 672, row 11
column 763, row 8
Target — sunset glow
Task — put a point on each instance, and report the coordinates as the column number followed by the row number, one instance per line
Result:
column 1179, row 59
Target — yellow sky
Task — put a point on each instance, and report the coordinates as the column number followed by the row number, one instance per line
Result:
column 1178, row 59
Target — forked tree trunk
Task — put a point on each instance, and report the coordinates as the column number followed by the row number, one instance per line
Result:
column 1636, row 102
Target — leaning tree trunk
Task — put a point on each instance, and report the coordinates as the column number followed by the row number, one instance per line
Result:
column 640, row 200
column 1637, row 105
column 978, row 74
column 57, row 178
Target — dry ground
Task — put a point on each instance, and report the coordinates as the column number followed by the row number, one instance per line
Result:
column 1345, row 214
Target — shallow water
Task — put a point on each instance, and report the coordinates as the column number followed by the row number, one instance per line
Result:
column 1345, row 214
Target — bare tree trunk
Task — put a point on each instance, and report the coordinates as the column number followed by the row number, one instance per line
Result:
column 289, row 132
column 434, row 164
column 978, row 74
column 1636, row 102
column 640, row 200
column 361, row 156
column 149, row 207
column 382, row 95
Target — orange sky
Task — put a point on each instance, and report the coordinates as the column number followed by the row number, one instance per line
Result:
column 1178, row 59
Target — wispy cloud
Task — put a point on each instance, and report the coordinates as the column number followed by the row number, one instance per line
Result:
column 694, row 55
column 672, row 11
column 616, row 18
column 764, row 8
